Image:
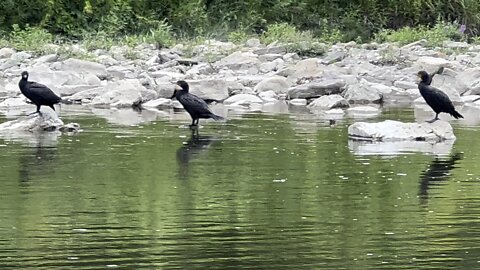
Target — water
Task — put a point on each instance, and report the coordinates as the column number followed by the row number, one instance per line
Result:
column 262, row 191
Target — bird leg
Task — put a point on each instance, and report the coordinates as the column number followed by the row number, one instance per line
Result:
column 193, row 124
column 434, row 119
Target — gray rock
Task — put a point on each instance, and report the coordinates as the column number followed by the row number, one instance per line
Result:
column 269, row 57
column 397, row 131
column 159, row 103
column 48, row 121
column 363, row 111
column 82, row 66
column 298, row 102
column 6, row 52
column 9, row 63
column 120, row 94
column 106, row 60
column 280, row 49
column 209, row 88
column 455, row 45
column 405, row 84
column 21, row 56
column 253, row 43
column 14, row 102
column 242, row 100
column 275, row 83
column 87, row 95
column 470, row 98
column 448, row 85
column 268, row 96
column 328, row 102
column 239, row 61
column 316, row 89
column 362, row 93
column 307, row 68
column 274, row 65
column 469, row 81
column 154, row 60
column 49, row 58
column 333, row 57
column 431, row 64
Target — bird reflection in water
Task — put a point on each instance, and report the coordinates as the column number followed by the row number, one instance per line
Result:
column 438, row 171
column 36, row 163
column 190, row 150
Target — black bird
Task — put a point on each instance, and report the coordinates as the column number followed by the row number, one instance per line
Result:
column 439, row 71
column 39, row 94
column 435, row 98
column 195, row 106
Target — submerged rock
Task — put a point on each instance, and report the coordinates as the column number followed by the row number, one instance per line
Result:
column 397, row 131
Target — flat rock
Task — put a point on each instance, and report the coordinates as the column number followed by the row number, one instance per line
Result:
column 398, row 131
column 48, row 121
column 268, row 96
column 77, row 65
column 209, row 88
column 431, row 64
column 158, row 103
column 316, row 89
column 363, row 93
column 120, row 94
column 328, row 102
column 238, row 61
column 278, row 84
column 243, row 99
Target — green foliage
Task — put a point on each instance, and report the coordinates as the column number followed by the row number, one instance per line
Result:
column 28, row 39
column 434, row 35
column 284, row 33
column 238, row 36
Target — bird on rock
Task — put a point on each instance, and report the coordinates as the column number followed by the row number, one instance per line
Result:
column 194, row 105
column 435, row 98
column 39, row 94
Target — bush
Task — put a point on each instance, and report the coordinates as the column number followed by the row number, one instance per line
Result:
column 29, row 39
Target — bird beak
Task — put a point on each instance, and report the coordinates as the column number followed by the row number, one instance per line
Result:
column 178, row 87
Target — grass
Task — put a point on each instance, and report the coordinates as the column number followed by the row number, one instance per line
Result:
column 36, row 40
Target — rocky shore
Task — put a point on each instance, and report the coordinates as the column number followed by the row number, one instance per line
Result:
column 349, row 78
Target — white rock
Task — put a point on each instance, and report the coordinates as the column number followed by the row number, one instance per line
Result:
column 269, row 96
column 298, row 102
column 307, row 68
column 253, row 43
column 14, row 102
column 316, row 89
column 107, row 60
column 470, row 98
column 78, row 66
column 362, row 92
column 153, row 61
column 392, row 148
column 363, row 111
column 469, row 80
column 405, row 84
column 49, row 58
column 48, row 121
column 20, row 56
column 125, row 93
column 242, row 99
column 209, row 88
column 6, row 52
column 158, row 103
column 278, row 84
column 328, row 102
column 396, row 131
column 431, row 64
column 239, row 61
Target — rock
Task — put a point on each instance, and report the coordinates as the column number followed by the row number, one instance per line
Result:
column 159, row 103
column 106, row 60
column 65, row 83
column 307, row 68
column 431, row 64
column 271, row 50
column 209, row 88
column 269, row 57
column 253, row 43
column 9, row 63
column 187, row 62
column 278, row 84
column 70, row 127
column 15, row 102
column 48, row 121
column 298, row 102
column 455, row 45
column 363, row 111
column 362, row 93
column 469, row 81
column 120, row 94
column 268, row 96
column 6, row 53
column 392, row 148
column 316, row 89
column 86, row 95
column 448, row 85
column 78, row 66
column 333, row 57
column 154, row 60
column 470, row 98
column 396, row 131
column 21, row 56
column 49, row 58
column 242, row 99
column 328, row 102
column 274, row 65
column 239, row 61
column 405, row 84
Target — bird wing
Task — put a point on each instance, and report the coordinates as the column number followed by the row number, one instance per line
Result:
column 43, row 92
column 439, row 100
column 195, row 104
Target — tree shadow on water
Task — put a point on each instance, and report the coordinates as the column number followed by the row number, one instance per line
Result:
column 191, row 150
column 437, row 172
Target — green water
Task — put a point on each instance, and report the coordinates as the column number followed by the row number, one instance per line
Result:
column 262, row 191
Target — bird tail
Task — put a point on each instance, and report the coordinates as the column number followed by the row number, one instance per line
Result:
column 217, row 117
column 456, row 114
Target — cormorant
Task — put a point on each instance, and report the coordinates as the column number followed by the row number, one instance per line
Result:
column 195, row 106
column 439, row 71
column 39, row 94
column 435, row 98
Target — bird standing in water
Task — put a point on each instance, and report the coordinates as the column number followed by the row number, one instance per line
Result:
column 435, row 98
column 39, row 94
column 195, row 106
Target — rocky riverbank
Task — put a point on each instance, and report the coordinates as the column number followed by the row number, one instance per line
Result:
column 349, row 77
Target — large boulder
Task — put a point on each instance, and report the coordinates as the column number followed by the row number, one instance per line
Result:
column 431, row 64
column 316, row 89
column 468, row 81
column 328, row 102
column 243, row 99
column 364, row 92
column 278, row 84
column 65, row 83
column 307, row 68
column 239, row 61
column 82, row 66
column 125, row 93
column 47, row 121
column 397, row 131
column 209, row 88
